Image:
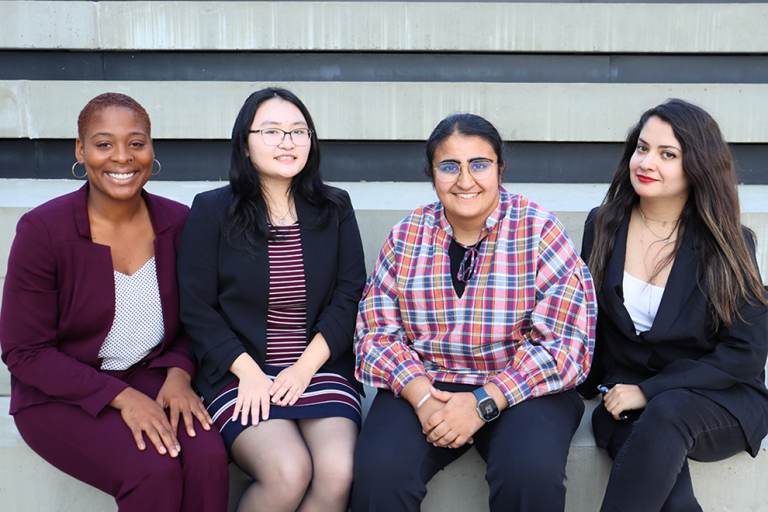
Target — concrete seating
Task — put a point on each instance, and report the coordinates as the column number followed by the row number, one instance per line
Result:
column 28, row 483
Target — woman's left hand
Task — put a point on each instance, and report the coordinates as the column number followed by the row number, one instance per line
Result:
column 624, row 397
column 290, row 384
column 177, row 394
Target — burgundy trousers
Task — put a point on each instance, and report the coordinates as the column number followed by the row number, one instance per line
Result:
column 102, row 452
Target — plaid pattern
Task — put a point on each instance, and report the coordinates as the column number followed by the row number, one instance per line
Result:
column 526, row 321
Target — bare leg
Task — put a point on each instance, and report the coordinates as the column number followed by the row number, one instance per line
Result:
column 273, row 453
column 331, row 442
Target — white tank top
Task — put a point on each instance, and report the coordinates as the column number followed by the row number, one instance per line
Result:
column 642, row 301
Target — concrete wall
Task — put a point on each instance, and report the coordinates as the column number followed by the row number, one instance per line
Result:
column 563, row 81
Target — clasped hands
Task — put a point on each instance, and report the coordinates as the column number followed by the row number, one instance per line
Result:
column 146, row 416
column 449, row 420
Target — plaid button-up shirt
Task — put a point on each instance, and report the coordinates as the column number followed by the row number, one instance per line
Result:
column 526, row 321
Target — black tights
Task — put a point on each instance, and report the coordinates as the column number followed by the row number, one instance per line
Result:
column 303, row 465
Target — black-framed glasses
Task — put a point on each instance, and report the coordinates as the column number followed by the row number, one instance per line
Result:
column 274, row 136
column 480, row 169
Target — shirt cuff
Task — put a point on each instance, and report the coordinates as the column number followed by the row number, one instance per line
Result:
column 515, row 389
column 404, row 373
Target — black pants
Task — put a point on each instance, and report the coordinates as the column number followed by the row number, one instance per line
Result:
column 650, row 450
column 525, row 450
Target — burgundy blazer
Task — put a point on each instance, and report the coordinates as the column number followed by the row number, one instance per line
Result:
column 59, row 304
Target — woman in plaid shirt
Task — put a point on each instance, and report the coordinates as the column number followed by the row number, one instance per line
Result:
column 477, row 323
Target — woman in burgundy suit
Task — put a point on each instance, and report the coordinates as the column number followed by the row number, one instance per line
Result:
column 90, row 330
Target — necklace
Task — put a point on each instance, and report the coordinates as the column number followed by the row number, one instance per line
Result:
column 665, row 239
column 284, row 219
column 645, row 266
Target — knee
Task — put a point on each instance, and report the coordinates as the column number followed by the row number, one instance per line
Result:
column 205, row 458
column 334, row 477
column 290, row 476
column 155, row 471
column 665, row 415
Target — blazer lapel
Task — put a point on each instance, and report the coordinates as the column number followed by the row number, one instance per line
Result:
column 682, row 282
column 612, row 289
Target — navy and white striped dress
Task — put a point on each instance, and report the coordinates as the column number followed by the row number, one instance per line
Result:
column 328, row 394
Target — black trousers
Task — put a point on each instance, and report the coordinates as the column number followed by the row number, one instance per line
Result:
column 525, row 450
column 650, row 450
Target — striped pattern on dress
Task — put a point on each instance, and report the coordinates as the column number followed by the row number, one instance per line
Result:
column 287, row 314
column 328, row 394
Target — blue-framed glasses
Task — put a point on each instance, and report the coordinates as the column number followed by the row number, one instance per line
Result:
column 480, row 169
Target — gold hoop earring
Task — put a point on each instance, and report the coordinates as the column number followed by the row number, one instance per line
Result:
column 75, row 175
column 159, row 168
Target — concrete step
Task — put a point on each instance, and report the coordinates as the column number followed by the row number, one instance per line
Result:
column 29, row 484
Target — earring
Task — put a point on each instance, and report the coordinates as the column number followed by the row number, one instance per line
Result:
column 75, row 175
column 159, row 168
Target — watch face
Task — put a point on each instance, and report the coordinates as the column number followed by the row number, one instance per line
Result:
column 488, row 409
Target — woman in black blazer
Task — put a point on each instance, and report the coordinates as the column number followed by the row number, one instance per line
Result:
column 270, row 273
column 682, row 331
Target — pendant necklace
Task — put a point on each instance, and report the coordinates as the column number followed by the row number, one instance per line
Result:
column 663, row 224
column 284, row 219
column 645, row 265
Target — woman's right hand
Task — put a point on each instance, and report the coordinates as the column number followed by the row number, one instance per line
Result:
column 144, row 415
column 252, row 392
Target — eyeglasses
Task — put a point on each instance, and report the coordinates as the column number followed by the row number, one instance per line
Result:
column 479, row 169
column 275, row 136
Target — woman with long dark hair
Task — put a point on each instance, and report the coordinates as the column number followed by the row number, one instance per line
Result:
column 270, row 273
column 683, row 318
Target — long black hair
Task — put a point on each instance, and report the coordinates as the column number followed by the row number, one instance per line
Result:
column 248, row 211
column 466, row 125
column 711, row 212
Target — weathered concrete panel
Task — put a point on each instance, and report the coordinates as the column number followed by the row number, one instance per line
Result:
column 396, row 111
column 454, row 26
column 518, row 27
column 11, row 110
column 9, row 217
column 50, row 24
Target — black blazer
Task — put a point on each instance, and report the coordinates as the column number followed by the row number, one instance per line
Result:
column 224, row 290
column 681, row 350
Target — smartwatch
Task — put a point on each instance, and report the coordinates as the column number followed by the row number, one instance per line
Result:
column 486, row 405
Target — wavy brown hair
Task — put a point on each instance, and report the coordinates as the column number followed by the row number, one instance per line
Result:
column 712, row 212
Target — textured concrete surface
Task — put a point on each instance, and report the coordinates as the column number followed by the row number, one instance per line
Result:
column 385, row 110
column 61, row 25
column 29, row 484
column 395, row 26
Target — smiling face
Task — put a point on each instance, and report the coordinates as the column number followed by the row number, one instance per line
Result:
column 279, row 164
column 656, row 167
column 467, row 202
column 117, row 153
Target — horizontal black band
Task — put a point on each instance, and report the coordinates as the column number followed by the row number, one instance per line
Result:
column 208, row 160
column 381, row 67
